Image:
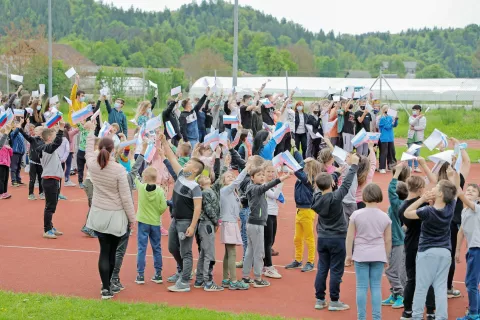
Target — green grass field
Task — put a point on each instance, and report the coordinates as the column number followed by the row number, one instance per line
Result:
column 458, row 123
column 36, row 306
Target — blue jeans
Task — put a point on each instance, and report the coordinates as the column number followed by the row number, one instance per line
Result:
column 331, row 257
column 229, row 134
column 146, row 231
column 369, row 274
column 416, row 154
column 244, row 213
column 472, row 280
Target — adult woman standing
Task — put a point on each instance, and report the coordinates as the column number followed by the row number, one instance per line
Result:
column 301, row 120
column 387, row 148
column 112, row 205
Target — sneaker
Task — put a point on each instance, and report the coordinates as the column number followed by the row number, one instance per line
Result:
column 239, row 264
column 308, row 267
column 453, row 293
column 42, row 196
column 56, row 232
column 389, row 301
column 157, row 278
column 61, row 197
column 49, row 235
column 226, row 283
column 294, row 265
column 32, row 197
column 180, row 287
column 107, row 294
column 418, row 170
column 81, row 185
column 261, row 283
column 20, row 183
column 430, row 317
column 164, row 231
column 271, row 272
column 398, row 304
column 5, row 196
column 212, row 287
column 320, row 304
column 140, row 279
column 69, row 183
column 275, row 253
column 239, row 285
column 199, row 284
column 118, row 284
column 247, row 280
column 406, row 315
column 73, row 172
column 15, row 184
column 338, row 306
column 174, row 278
column 383, row 171
column 114, row 289
column 92, row 234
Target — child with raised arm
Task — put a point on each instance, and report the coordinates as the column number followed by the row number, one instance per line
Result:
column 256, row 225
column 331, row 231
column 371, row 229
column 5, row 159
column 151, row 205
column 470, row 229
column 434, row 257
column 34, row 160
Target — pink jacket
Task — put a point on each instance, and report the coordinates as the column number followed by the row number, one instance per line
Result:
column 5, row 156
column 371, row 173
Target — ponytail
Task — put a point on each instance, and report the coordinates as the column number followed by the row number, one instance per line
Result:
column 105, row 148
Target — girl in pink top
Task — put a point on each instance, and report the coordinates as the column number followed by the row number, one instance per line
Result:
column 5, row 159
column 71, row 133
column 366, row 170
column 371, row 229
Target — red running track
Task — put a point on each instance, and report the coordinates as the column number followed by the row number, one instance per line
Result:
column 68, row 266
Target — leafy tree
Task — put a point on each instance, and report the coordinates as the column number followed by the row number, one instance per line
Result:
column 273, row 62
column 434, row 71
column 204, row 62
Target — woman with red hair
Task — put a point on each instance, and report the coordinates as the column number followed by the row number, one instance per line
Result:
column 301, row 120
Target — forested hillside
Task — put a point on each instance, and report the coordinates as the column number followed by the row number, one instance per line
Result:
column 199, row 38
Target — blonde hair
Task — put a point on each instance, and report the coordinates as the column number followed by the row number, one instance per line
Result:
column 312, row 169
column 325, row 155
column 116, row 126
column 142, row 107
column 150, row 174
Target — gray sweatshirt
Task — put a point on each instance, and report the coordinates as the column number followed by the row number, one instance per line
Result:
column 229, row 200
column 350, row 197
column 257, row 201
column 49, row 158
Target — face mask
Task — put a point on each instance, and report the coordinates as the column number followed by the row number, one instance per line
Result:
column 39, row 108
column 299, row 108
column 117, row 105
column 362, row 107
column 290, row 106
column 316, row 112
column 415, row 112
column 82, row 99
column 375, row 111
column 149, row 112
column 187, row 174
column 250, row 102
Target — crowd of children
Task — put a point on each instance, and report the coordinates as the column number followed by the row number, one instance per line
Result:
column 417, row 241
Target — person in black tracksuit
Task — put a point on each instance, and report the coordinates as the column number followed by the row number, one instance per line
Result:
column 36, row 170
column 316, row 122
column 169, row 115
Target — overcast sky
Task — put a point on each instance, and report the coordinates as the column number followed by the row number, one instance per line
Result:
column 351, row 16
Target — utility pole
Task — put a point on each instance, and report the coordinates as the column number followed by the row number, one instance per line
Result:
column 8, row 81
column 286, row 80
column 380, row 77
column 235, row 44
column 50, row 52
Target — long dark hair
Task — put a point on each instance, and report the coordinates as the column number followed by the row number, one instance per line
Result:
column 105, row 148
column 260, row 138
column 66, row 134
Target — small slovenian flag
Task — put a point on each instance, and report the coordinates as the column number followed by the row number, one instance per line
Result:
column 281, row 198
column 104, row 130
column 153, row 124
column 9, row 114
column 223, row 138
column 54, row 119
column 267, row 127
column 230, row 120
column 171, row 132
column 211, row 137
column 360, row 138
column 150, row 152
column 290, row 162
column 82, row 114
column 266, row 103
column 236, row 140
column 277, row 161
column 18, row 112
column 280, row 133
column 373, row 137
column 125, row 144
column 3, row 119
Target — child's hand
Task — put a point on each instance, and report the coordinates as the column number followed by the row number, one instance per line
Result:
column 457, row 256
column 355, row 159
column 370, row 145
column 428, row 196
column 218, row 151
column 161, row 152
column 88, row 126
column 228, row 160
column 348, row 261
column 61, row 125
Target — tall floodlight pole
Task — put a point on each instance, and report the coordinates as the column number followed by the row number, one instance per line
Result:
column 50, row 53
column 235, row 44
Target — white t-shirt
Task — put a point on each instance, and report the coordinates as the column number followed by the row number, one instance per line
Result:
column 471, row 226
column 301, row 124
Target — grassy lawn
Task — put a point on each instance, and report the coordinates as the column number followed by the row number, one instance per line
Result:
column 458, row 123
column 37, row 306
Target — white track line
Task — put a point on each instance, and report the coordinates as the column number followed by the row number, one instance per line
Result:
column 131, row 254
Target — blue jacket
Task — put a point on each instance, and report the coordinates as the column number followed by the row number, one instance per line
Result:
column 189, row 125
column 17, row 141
column 398, row 235
column 303, row 189
column 269, row 149
column 118, row 117
column 386, row 126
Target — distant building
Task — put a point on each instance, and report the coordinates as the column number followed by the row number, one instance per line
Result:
column 358, row 74
column 410, row 68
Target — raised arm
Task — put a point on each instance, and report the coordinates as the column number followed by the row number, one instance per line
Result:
column 73, row 93
column 235, row 184
column 431, row 177
column 170, row 156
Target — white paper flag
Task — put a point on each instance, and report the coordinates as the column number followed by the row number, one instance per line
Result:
column 336, row 98
column 436, row 138
column 392, row 113
column 176, row 90
column 413, row 148
column 53, row 100
column 442, row 156
column 42, row 88
column 340, row 155
column 35, row 94
column 17, row 78
column 407, row 157
column 152, row 84
column 68, row 101
column 70, row 72
column 104, row 91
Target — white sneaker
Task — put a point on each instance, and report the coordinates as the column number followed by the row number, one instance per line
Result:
column 69, row 183
column 271, row 272
column 417, row 170
column 383, row 171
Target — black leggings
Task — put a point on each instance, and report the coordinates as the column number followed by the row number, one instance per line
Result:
column 106, row 261
column 35, row 174
column 387, row 154
column 453, row 238
column 4, row 173
column 269, row 239
column 301, row 139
